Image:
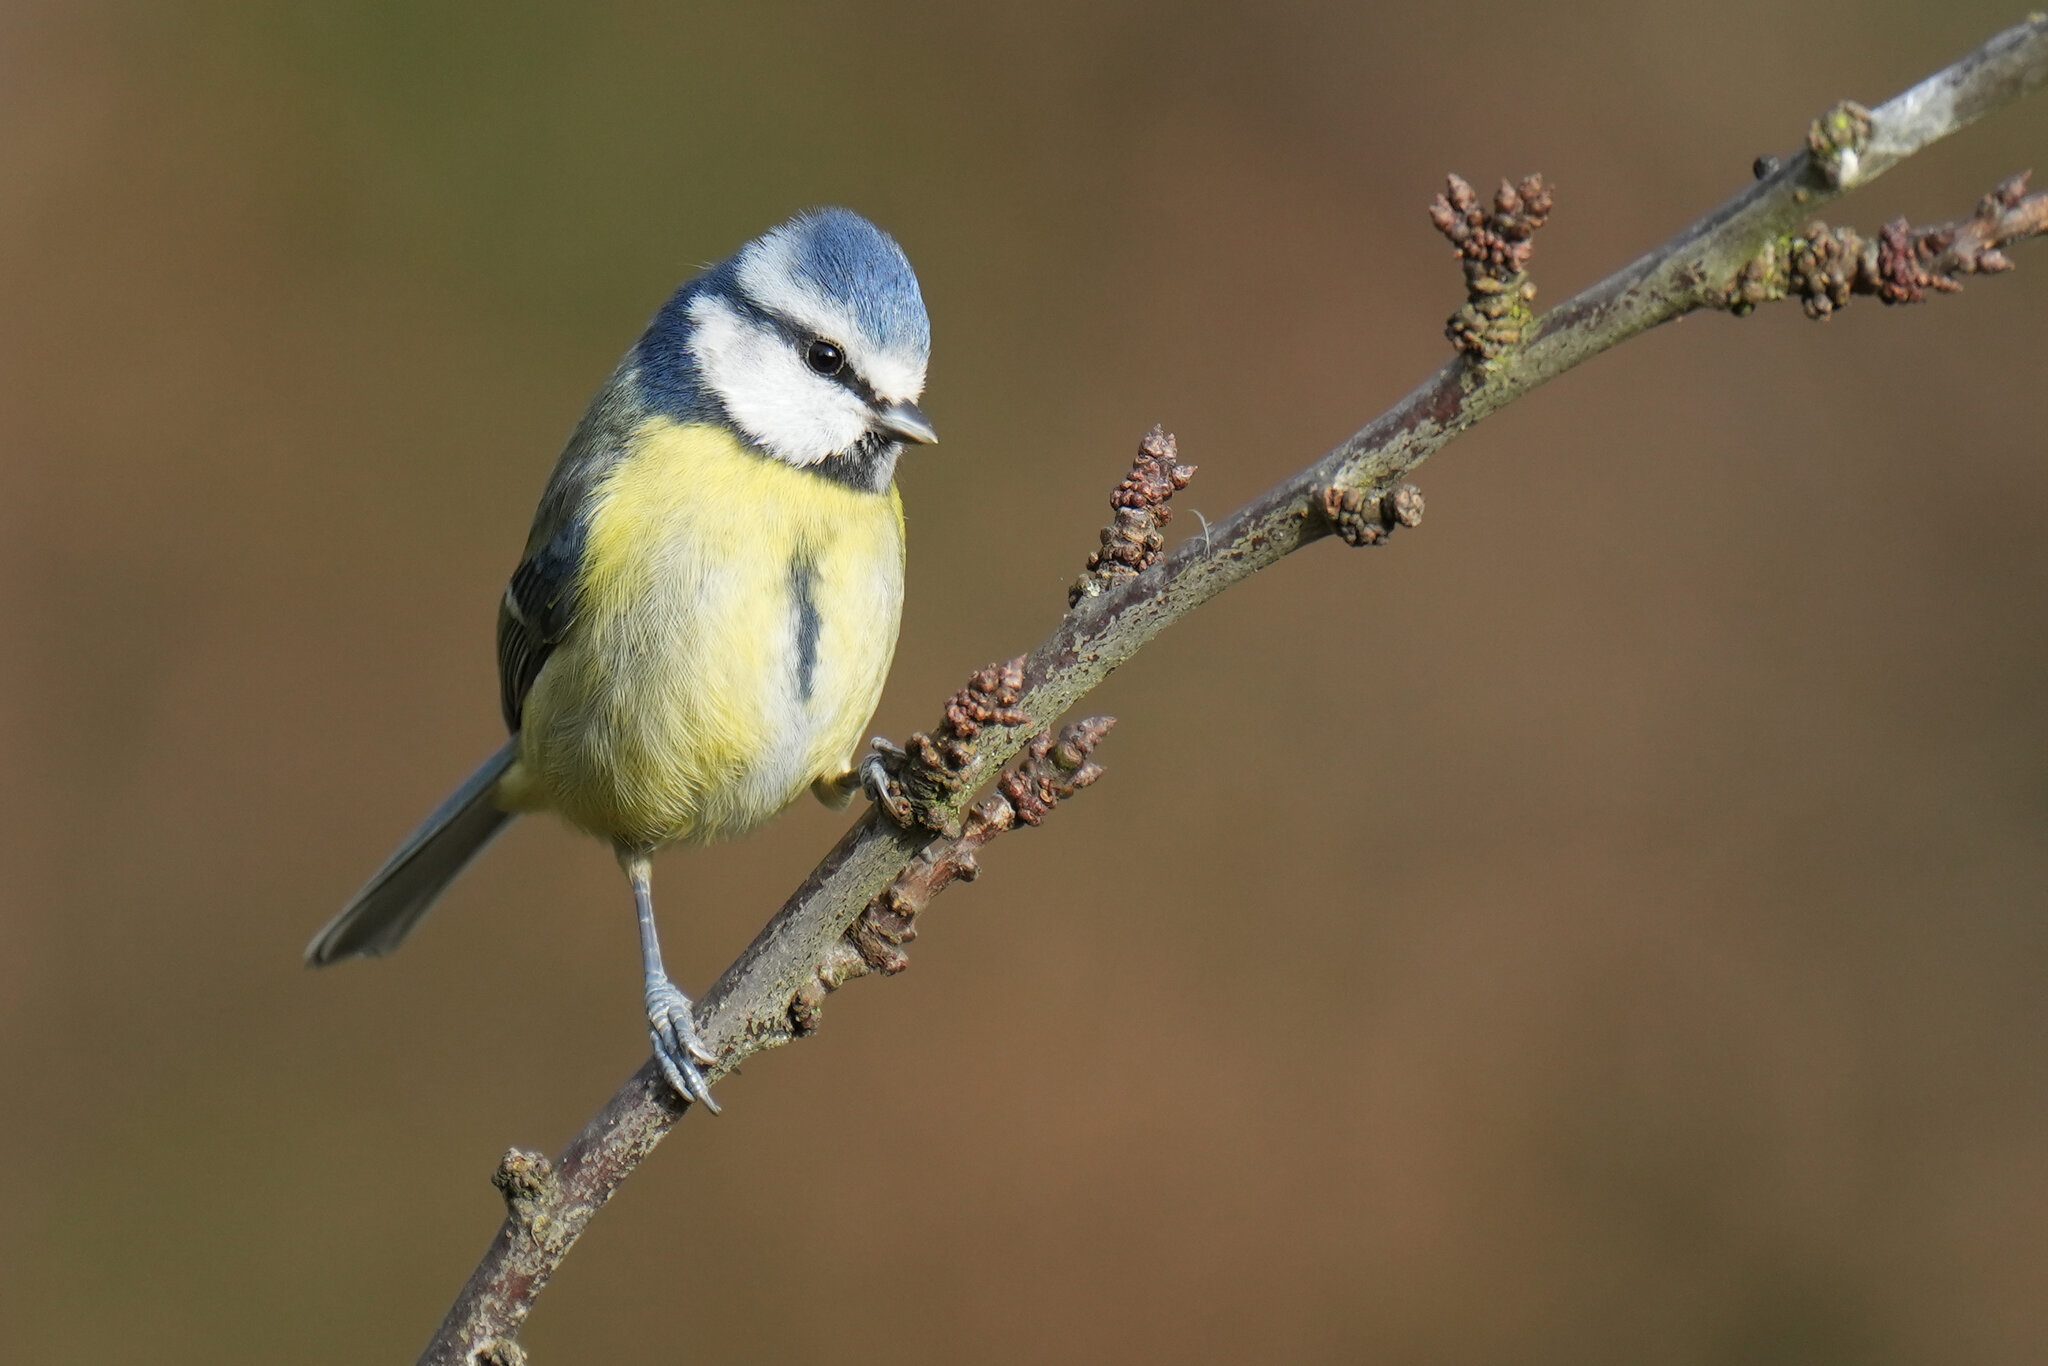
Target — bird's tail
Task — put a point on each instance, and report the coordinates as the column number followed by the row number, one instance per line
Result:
column 403, row 890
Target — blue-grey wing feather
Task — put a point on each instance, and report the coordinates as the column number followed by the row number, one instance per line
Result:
column 538, row 610
column 540, row 605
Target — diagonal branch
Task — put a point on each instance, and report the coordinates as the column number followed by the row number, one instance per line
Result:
column 854, row 911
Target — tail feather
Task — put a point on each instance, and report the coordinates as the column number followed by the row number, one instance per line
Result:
column 404, row 889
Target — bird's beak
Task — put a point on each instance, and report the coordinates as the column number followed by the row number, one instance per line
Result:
column 906, row 420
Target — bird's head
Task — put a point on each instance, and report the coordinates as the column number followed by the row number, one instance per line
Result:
column 813, row 340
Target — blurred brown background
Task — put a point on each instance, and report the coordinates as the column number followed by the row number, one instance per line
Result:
column 1607, row 926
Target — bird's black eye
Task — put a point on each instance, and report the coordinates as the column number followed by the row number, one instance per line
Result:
column 824, row 357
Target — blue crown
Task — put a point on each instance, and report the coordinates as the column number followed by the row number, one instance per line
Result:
column 850, row 259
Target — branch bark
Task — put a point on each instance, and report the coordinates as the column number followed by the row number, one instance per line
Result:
column 854, row 911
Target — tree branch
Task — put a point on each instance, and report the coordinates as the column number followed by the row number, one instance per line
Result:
column 855, row 910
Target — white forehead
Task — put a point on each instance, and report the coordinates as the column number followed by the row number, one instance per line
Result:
column 771, row 276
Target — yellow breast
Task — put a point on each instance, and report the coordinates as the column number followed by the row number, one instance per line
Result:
column 736, row 618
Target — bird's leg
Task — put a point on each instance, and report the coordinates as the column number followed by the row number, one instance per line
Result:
column 874, row 774
column 670, row 1021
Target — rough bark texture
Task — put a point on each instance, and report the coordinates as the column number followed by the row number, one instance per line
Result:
column 854, row 911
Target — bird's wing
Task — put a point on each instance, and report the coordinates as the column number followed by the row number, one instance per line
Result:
column 538, row 610
column 540, row 603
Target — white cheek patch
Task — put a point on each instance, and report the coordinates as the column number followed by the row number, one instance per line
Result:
column 796, row 415
column 768, row 274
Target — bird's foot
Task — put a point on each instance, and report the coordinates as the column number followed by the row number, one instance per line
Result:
column 879, row 774
column 677, row 1046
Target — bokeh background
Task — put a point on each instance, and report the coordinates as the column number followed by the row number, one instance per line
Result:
column 1610, row 925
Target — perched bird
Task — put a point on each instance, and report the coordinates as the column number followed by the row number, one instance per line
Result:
column 707, row 605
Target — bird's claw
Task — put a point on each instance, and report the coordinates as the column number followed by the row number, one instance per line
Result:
column 879, row 771
column 677, row 1046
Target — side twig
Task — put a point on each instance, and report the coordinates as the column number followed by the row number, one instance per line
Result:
column 855, row 911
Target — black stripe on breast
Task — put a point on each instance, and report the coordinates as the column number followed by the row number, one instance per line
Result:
column 803, row 576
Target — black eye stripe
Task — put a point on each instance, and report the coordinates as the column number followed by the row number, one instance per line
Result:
column 800, row 339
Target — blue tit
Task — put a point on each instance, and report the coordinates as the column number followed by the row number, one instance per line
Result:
column 708, row 602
